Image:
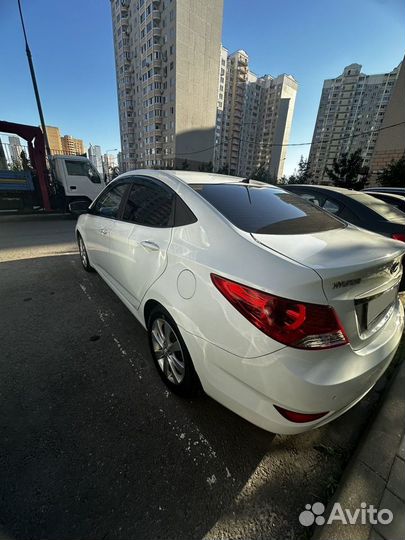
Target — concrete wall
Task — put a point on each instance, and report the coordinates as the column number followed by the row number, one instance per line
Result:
column 198, row 45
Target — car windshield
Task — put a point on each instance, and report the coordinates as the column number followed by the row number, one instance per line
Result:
column 383, row 209
column 267, row 210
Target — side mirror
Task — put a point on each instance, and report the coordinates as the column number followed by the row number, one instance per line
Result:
column 77, row 208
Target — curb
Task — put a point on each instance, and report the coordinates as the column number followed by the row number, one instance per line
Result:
column 368, row 472
column 29, row 217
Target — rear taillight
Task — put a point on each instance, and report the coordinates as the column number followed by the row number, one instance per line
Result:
column 399, row 236
column 296, row 324
column 299, row 418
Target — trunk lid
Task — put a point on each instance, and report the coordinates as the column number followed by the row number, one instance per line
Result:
column 360, row 274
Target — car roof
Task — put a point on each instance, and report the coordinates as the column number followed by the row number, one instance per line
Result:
column 343, row 191
column 197, row 177
column 187, row 177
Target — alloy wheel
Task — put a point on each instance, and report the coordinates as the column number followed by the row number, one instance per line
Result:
column 167, row 350
column 83, row 253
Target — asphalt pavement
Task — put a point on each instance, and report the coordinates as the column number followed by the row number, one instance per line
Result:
column 92, row 444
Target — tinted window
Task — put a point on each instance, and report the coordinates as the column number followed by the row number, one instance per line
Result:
column 82, row 168
column 331, row 206
column 149, row 204
column 398, row 203
column 314, row 198
column 183, row 214
column 266, row 210
column 383, row 209
column 108, row 204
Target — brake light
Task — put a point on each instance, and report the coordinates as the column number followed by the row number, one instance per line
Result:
column 296, row 324
column 299, row 418
column 399, row 236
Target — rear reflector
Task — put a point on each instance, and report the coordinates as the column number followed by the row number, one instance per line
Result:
column 296, row 324
column 299, row 418
column 399, row 236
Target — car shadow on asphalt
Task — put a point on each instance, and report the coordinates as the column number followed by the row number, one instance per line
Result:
column 94, row 446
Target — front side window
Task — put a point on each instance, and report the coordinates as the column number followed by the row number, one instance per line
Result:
column 267, row 210
column 149, row 204
column 82, row 168
column 108, row 204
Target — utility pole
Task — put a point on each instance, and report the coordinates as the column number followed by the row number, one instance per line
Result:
column 34, row 83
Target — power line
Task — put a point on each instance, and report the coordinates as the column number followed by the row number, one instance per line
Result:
column 353, row 136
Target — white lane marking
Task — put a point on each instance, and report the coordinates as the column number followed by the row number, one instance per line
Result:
column 83, row 288
column 211, row 480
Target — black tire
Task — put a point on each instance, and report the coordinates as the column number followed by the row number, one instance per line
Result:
column 84, row 258
column 187, row 383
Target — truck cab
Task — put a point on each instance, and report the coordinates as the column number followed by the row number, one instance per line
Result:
column 77, row 177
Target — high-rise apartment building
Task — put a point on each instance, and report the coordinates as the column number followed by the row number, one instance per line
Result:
column 15, row 149
column 223, row 62
column 390, row 144
column 72, row 146
column 167, row 55
column 94, row 155
column 54, row 138
column 351, row 111
column 256, row 120
column 3, row 160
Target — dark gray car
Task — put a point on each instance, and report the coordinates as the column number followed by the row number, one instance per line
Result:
column 356, row 207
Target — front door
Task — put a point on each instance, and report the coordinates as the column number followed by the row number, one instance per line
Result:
column 81, row 178
column 100, row 223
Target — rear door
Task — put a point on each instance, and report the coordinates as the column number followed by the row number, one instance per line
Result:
column 139, row 241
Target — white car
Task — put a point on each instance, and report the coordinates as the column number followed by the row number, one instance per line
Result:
column 280, row 311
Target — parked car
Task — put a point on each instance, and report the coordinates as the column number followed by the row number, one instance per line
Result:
column 282, row 312
column 356, row 207
column 391, row 198
column 382, row 189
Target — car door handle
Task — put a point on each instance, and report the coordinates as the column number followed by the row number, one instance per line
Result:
column 148, row 244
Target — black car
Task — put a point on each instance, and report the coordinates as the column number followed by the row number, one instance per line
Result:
column 356, row 207
column 391, row 198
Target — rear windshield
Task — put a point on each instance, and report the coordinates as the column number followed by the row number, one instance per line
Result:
column 382, row 208
column 266, row 210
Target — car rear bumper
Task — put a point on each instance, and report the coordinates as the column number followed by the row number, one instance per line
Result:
column 303, row 381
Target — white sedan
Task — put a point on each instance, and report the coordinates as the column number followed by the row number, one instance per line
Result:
column 280, row 311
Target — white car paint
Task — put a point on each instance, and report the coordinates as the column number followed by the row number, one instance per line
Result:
column 237, row 364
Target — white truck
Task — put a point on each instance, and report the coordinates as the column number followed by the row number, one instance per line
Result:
column 76, row 178
column 71, row 179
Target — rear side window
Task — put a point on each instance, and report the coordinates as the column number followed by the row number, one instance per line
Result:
column 383, row 209
column 266, row 210
column 149, row 204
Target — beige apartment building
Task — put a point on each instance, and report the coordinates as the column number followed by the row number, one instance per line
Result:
column 67, row 144
column 72, row 146
column 54, row 139
column 255, row 125
column 351, row 112
column 167, row 55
